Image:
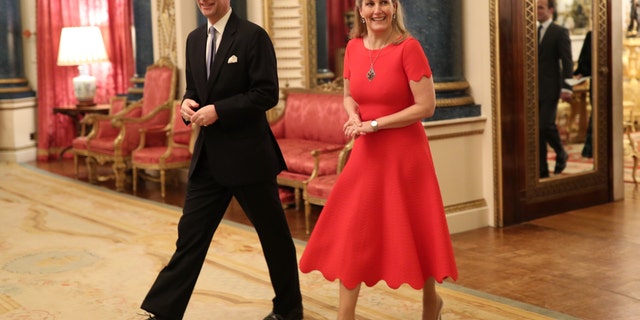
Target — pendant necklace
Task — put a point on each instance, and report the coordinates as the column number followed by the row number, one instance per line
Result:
column 372, row 73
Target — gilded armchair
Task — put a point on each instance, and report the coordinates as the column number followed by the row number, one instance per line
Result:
column 174, row 153
column 317, row 188
column 79, row 144
column 155, row 111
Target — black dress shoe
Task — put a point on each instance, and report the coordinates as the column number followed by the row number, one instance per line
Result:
column 293, row 315
column 561, row 162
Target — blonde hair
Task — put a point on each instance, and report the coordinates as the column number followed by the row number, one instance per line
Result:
column 359, row 29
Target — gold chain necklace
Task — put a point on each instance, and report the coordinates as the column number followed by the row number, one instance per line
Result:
column 372, row 73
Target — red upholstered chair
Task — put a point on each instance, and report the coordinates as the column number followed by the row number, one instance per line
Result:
column 79, row 144
column 318, row 187
column 311, row 121
column 174, row 153
column 155, row 111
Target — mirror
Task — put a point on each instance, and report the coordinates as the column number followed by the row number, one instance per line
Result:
column 593, row 172
column 523, row 195
column 572, row 135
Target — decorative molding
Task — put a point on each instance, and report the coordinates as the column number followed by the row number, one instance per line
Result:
column 530, row 73
column 454, row 102
column 455, row 128
column 452, row 86
column 469, row 205
column 496, row 127
column 538, row 190
column 167, row 29
column 13, row 81
column 15, row 89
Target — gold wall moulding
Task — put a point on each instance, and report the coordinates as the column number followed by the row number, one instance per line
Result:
column 454, row 102
column 458, row 207
column 13, row 80
column 15, row 89
column 452, row 86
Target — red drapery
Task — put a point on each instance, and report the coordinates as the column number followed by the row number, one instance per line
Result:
column 338, row 31
column 54, row 83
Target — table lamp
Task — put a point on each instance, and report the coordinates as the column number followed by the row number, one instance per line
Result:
column 80, row 46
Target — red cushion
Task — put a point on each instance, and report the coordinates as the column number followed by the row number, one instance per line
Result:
column 152, row 155
column 79, row 143
column 288, row 175
column 286, row 195
column 320, row 187
column 297, row 155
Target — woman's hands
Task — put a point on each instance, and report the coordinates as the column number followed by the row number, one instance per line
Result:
column 354, row 127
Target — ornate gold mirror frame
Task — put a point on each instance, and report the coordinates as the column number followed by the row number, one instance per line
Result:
column 519, row 193
column 590, row 179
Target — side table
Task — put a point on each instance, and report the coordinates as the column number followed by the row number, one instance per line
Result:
column 76, row 113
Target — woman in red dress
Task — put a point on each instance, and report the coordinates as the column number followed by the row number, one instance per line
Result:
column 384, row 220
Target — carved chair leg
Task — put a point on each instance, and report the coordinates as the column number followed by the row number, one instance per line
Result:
column 307, row 215
column 297, row 196
column 163, row 178
column 75, row 164
column 119, row 169
column 135, row 179
column 635, row 168
column 91, row 167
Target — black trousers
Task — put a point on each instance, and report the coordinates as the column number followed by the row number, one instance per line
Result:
column 205, row 204
column 548, row 133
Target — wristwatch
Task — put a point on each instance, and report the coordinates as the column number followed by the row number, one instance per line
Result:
column 374, row 125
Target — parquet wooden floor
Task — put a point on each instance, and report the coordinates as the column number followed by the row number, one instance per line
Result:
column 584, row 263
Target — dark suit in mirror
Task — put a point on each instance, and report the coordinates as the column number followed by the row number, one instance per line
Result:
column 555, row 64
column 583, row 71
column 566, row 125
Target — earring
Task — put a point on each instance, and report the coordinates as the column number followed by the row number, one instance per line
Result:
column 363, row 21
column 394, row 16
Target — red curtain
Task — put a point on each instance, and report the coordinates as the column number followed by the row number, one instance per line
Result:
column 338, row 31
column 56, row 131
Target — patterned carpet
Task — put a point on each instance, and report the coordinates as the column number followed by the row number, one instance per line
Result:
column 579, row 164
column 70, row 250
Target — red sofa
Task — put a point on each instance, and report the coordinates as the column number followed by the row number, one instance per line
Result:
column 311, row 121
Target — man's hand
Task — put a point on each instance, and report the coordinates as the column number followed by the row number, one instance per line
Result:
column 205, row 116
column 187, row 109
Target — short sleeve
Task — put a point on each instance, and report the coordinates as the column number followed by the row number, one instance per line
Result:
column 415, row 61
column 346, row 72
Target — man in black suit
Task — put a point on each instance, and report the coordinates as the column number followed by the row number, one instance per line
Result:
column 554, row 66
column 584, row 70
column 235, row 155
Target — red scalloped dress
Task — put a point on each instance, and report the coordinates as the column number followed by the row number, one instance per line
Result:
column 384, row 219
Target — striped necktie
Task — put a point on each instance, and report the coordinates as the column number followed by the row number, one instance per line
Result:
column 211, row 49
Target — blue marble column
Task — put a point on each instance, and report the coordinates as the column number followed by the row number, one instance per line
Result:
column 437, row 25
column 143, row 46
column 13, row 83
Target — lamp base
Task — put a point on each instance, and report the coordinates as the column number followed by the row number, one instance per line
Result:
column 84, row 104
column 84, row 87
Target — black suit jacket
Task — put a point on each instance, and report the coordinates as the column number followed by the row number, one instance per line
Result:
column 584, row 60
column 554, row 62
column 240, row 147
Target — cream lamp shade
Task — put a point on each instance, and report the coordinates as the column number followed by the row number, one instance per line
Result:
column 80, row 46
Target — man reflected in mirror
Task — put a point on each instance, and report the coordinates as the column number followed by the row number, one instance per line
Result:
column 554, row 65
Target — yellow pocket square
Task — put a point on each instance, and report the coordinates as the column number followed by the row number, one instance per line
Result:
column 233, row 59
